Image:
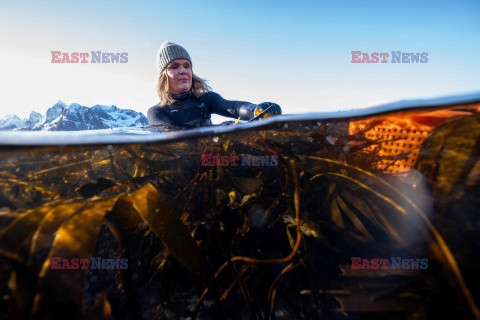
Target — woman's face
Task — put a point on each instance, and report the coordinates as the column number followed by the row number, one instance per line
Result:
column 179, row 74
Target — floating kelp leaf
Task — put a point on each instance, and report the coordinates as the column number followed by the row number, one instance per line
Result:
column 448, row 157
column 28, row 185
column 60, row 292
column 378, row 218
column 353, row 218
column 122, row 220
column 23, row 227
column 368, row 216
column 336, row 214
column 448, row 154
column 45, row 234
column 19, row 194
column 140, row 170
column 123, row 217
column 437, row 242
column 364, row 188
column 95, row 187
column 22, row 278
column 165, row 223
column 474, row 175
column 60, row 169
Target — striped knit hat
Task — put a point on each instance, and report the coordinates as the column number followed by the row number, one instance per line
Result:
column 168, row 52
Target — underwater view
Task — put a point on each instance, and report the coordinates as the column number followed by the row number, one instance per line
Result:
column 365, row 214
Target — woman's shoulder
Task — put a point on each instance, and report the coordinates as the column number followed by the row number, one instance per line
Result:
column 209, row 93
column 210, row 96
column 156, row 108
column 157, row 115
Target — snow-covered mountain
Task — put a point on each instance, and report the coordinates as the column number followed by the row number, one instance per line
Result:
column 12, row 121
column 61, row 117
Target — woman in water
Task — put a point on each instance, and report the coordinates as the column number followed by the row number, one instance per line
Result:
column 186, row 101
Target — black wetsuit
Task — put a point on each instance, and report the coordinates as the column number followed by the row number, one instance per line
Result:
column 189, row 111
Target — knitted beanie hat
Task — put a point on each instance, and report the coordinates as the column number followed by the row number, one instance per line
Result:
column 168, row 52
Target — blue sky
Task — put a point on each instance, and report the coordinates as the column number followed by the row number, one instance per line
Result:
column 295, row 53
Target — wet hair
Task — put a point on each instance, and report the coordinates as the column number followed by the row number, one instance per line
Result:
column 199, row 87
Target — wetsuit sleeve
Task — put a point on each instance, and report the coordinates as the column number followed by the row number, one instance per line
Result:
column 157, row 116
column 227, row 108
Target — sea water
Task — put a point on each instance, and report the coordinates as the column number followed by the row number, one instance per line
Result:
column 306, row 227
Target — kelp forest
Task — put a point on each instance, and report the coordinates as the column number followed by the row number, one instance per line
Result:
column 373, row 217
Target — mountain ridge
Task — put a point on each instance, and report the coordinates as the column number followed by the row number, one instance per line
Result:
column 73, row 117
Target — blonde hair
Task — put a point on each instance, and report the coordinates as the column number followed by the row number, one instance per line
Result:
column 199, row 87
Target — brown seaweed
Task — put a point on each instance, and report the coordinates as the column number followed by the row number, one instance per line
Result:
column 258, row 241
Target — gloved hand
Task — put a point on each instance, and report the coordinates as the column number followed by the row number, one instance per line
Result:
column 273, row 109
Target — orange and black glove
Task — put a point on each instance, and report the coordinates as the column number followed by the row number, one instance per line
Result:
column 266, row 109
